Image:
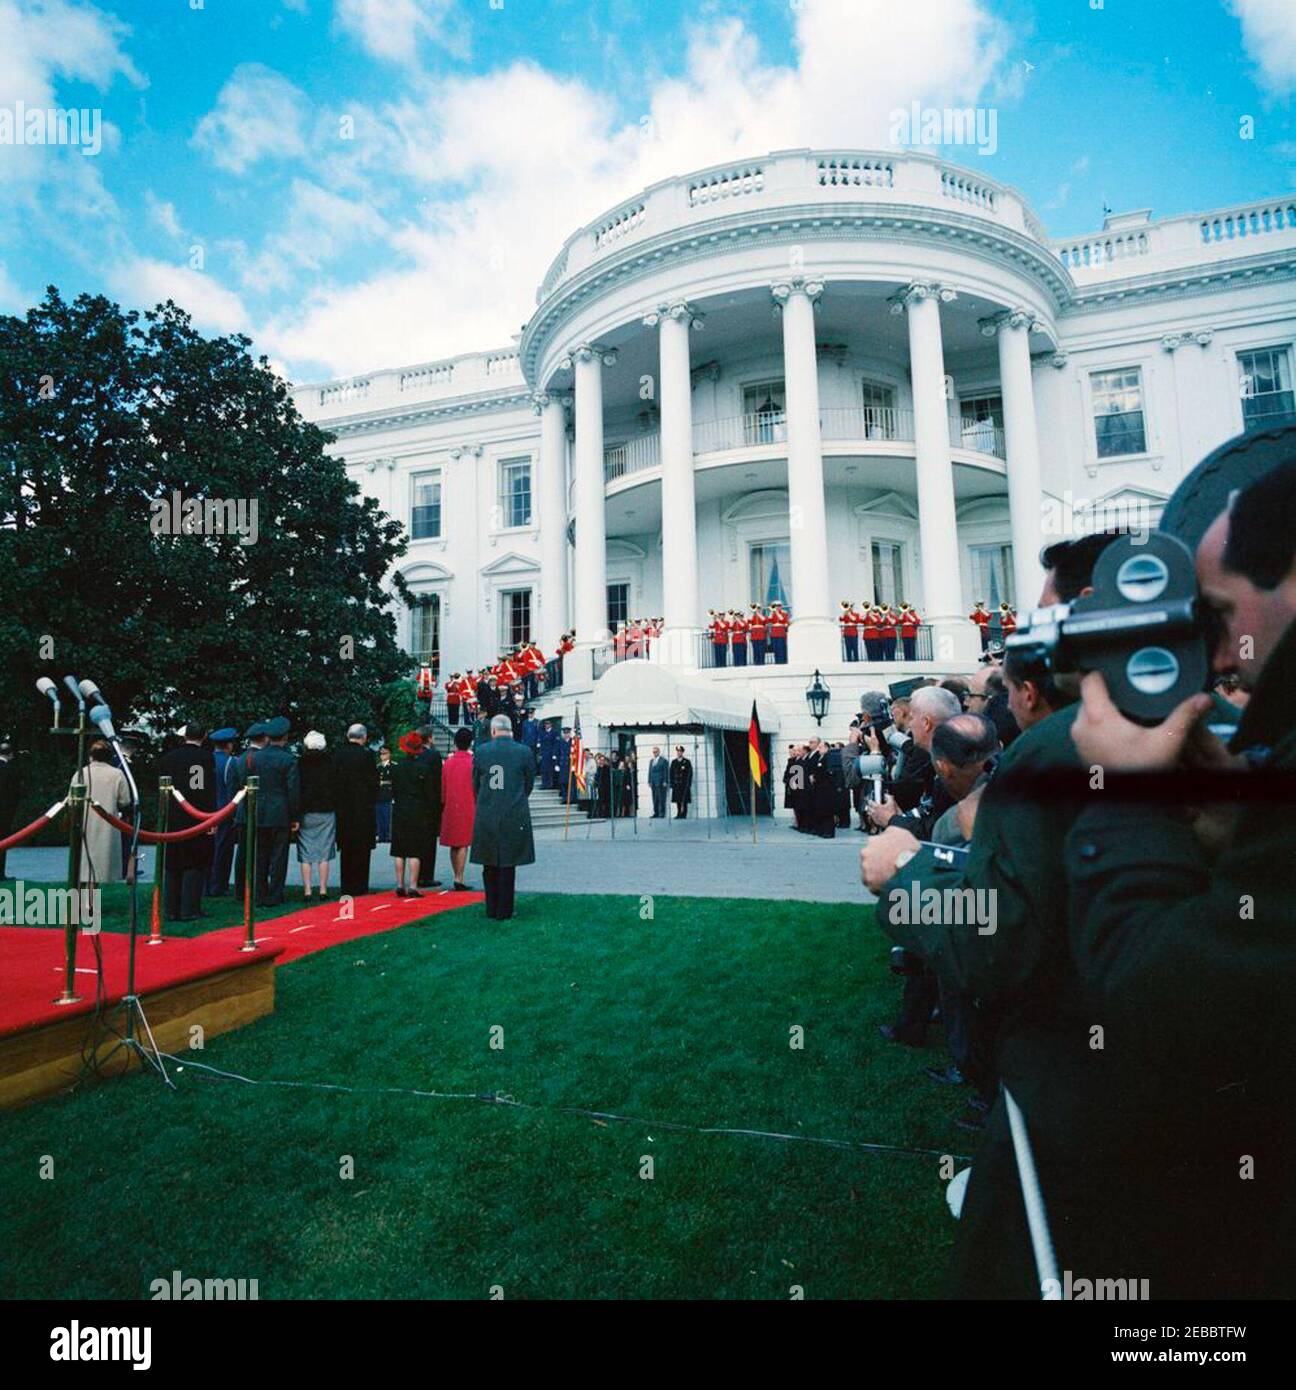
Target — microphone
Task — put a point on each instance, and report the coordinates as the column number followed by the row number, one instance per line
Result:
column 47, row 687
column 71, row 683
column 102, row 716
column 91, row 691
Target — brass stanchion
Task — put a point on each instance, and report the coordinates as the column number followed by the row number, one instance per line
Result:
column 159, row 862
column 76, row 805
column 249, row 863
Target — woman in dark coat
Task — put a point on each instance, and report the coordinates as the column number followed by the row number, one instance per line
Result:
column 415, row 803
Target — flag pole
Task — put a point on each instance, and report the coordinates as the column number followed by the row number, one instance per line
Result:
column 567, row 816
column 751, row 777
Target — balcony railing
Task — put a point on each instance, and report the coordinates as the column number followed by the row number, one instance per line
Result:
column 891, row 649
column 631, row 456
column 708, row 656
column 981, row 437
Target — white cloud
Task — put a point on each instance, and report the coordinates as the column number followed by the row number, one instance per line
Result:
column 1269, row 36
column 317, row 226
column 258, row 115
column 144, row 283
column 500, row 201
column 162, row 214
column 45, row 39
column 393, row 29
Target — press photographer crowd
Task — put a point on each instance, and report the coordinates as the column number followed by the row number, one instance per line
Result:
column 1086, row 864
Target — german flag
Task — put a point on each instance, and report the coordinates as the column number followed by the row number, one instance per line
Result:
column 759, row 767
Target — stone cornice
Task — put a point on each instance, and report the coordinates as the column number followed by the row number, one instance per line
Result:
column 1182, row 283
column 397, row 417
column 907, row 224
column 918, row 290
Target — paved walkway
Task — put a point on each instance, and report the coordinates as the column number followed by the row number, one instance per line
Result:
column 693, row 858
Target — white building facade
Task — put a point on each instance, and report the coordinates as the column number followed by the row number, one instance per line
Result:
column 862, row 375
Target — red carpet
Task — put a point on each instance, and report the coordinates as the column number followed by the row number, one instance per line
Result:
column 31, row 958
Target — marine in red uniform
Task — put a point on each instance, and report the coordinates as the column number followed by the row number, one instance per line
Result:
column 778, row 631
column 872, row 625
column 981, row 618
column 454, row 698
column 888, row 625
column 910, row 621
column 738, row 637
column 849, row 621
column 757, row 629
column 719, row 631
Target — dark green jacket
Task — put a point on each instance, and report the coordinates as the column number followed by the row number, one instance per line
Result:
column 278, row 803
column 503, row 774
column 1193, row 965
column 1022, row 980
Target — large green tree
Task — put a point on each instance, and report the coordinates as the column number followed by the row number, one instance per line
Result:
column 103, row 413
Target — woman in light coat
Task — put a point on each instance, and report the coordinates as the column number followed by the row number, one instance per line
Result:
column 101, row 849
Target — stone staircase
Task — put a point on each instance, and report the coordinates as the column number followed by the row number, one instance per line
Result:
column 547, row 810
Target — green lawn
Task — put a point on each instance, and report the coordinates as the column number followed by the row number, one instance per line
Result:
column 684, row 1018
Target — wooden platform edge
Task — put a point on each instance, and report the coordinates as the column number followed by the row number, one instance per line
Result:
column 43, row 1061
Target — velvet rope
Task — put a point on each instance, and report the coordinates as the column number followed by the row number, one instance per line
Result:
column 193, row 811
column 154, row 837
column 29, row 830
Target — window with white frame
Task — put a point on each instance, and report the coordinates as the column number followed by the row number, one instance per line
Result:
column 888, row 572
column 618, row 606
column 771, row 572
column 425, row 631
column 1265, row 381
column 425, row 507
column 515, row 617
column 515, row 492
column 1119, row 426
column 992, row 574
column 765, row 413
column 879, row 411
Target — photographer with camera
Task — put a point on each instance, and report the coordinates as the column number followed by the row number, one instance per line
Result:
column 1193, row 962
column 1027, row 994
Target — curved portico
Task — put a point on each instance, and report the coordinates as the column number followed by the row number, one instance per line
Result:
column 798, row 267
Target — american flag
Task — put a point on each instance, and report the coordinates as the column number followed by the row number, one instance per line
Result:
column 577, row 756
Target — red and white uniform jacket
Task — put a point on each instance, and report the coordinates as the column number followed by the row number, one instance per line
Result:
column 909, row 622
column 738, row 631
column 757, row 626
column 778, row 621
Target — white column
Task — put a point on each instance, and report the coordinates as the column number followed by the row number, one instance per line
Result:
column 590, row 607
column 551, row 494
column 942, row 603
column 812, row 637
column 679, row 512
column 1021, row 439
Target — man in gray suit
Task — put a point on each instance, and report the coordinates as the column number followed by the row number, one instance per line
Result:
column 503, row 774
column 658, row 783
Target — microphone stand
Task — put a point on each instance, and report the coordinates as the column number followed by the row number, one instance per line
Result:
column 130, row 1002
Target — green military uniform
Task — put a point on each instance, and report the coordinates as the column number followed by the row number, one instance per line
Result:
column 1194, row 966
column 1021, row 978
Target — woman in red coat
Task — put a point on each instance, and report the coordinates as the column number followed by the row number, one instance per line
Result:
column 458, row 805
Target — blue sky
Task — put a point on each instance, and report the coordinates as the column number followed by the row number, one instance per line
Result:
column 363, row 183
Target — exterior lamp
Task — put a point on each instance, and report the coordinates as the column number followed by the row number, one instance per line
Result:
column 817, row 697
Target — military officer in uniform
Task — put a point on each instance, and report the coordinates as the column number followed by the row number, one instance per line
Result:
column 681, row 782
column 278, row 806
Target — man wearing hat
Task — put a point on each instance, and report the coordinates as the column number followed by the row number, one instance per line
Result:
column 719, row 632
column 237, row 771
column 872, row 632
column 757, row 627
column 218, row 879
column 849, row 621
column 909, row 624
column 778, row 632
column 278, row 804
column 981, row 618
column 738, row 637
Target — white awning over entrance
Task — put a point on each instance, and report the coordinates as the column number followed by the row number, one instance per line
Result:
column 635, row 693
